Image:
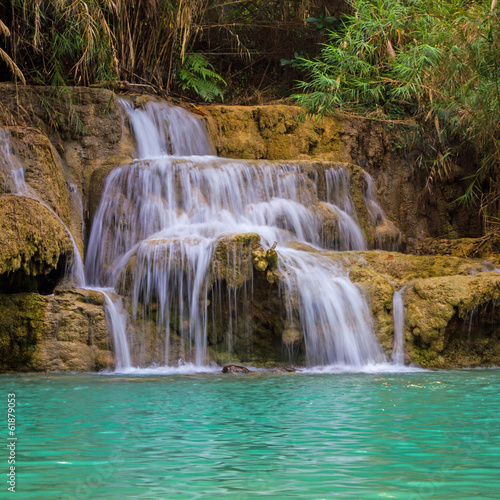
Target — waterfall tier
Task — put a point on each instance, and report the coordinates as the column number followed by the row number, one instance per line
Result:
column 180, row 234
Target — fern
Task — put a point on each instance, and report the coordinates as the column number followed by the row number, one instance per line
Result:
column 198, row 75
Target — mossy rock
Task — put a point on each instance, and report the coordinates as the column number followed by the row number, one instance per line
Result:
column 277, row 132
column 34, row 246
column 401, row 269
column 233, row 257
column 21, row 329
column 66, row 331
column 43, row 170
column 438, row 310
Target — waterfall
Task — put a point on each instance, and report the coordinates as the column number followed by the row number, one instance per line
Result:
column 339, row 201
column 13, row 175
column 163, row 218
column 398, row 307
column 117, row 319
column 378, row 218
column 161, row 129
column 335, row 319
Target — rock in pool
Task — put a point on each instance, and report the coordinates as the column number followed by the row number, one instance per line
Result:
column 235, row 369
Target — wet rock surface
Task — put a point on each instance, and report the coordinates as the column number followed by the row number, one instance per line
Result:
column 66, row 331
column 34, row 246
column 286, row 369
column 235, row 369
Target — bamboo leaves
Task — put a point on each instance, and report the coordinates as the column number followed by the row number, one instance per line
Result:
column 437, row 62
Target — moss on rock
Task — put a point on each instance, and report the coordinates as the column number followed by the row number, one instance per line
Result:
column 61, row 332
column 232, row 259
column 432, row 338
column 277, row 132
column 34, row 245
column 21, row 329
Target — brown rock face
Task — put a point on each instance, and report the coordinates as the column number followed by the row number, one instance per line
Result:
column 34, row 246
column 235, row 369
column 63, row 332
column 279, row 132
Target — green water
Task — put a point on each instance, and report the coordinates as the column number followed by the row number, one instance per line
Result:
column 403, row 436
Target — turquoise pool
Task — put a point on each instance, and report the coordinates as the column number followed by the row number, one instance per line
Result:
column 262, row 435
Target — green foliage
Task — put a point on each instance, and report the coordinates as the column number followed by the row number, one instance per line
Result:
column 295, row 62
column 324, row 23
column 145, row 42
column 85, row 42
column 197, row 74
column 437, row 62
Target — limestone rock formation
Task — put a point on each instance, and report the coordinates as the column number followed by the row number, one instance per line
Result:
column 280, row 132
column 34, row 246
column 271, row 132
column 72, row 138
column 449, row 301
column 62, row 332
column 451, row 321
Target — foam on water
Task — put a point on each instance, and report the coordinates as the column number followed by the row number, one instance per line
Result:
column 369, row 368
column 180, row 369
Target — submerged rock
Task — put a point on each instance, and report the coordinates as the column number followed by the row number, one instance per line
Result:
column 285, row 369
column 235, row 369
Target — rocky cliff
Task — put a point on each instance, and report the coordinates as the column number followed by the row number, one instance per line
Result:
column 67, row 141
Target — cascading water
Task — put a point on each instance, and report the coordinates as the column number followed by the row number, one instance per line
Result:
column 162, row 217
column 167, row 130
column 339, row 201
column 12, row 172
column 398, row 307
column 335, row 319
column 378, row 218
column 117, row 319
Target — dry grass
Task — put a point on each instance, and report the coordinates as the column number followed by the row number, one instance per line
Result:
column 87, row 41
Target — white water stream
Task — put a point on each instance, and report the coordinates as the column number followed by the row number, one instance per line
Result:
column 398, row 307
column 162, row 216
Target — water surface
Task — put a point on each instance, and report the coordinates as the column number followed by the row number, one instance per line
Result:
column 308, row 436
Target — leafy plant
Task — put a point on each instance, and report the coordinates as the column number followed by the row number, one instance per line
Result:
column 198, row 75
column 435, row 62
column 295, row 62
column 324, row 23
column 84, row 42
